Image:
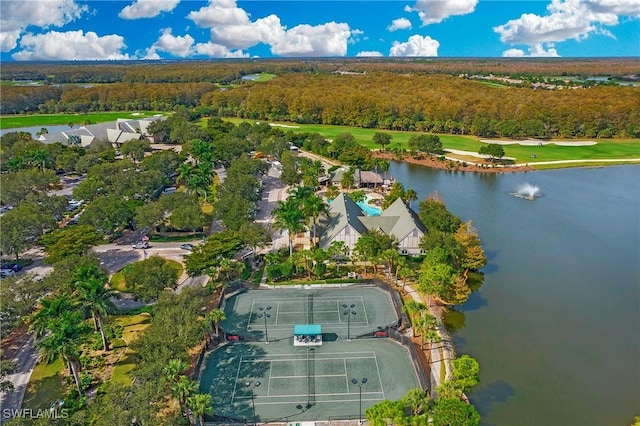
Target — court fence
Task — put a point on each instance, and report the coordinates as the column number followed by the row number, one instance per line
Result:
column 394, row 331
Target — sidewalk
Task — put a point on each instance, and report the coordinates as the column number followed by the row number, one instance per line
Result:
column 440, row 353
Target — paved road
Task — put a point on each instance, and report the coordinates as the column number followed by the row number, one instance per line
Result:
column 113, row 257
column 25, row 360
column 273, row 190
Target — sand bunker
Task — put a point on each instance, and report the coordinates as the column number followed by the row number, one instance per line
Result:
column 473, row 154
column 535, row 142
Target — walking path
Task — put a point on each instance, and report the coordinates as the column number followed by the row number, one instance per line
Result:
column 25, row 360
column 442, row 353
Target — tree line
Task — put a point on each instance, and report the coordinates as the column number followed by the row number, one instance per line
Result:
column 426, row 96
column 226, row 72
column 436, row 104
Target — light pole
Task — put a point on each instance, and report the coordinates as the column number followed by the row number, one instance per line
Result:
column 264, row 312
column 360, row 383
column 349, row 310
column 255, row 384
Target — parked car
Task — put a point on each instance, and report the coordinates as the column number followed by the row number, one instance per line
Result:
column 140, row 245
column 186, row 246
column 11, row 265
column 6, row 272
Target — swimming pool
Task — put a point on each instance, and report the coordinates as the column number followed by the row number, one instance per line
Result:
column 369, row 210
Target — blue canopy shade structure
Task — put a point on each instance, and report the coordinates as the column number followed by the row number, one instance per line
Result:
column 307, row 329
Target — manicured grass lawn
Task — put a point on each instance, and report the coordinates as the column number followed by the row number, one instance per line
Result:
column 265, row 76
column 120, row 374
column 133, row 325
column 604, row 149
column 45, row 385
column 44, row 120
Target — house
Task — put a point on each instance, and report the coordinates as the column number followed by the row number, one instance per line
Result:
column 117, row 133
column 346, row 221
column 361, row 178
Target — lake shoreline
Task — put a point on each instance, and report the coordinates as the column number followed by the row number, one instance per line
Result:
column 451, row 165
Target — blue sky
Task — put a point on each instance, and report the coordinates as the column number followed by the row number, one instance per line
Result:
column 33, row 30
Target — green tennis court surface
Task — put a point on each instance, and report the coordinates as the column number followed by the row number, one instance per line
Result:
column 286, row 383
column 283, row 382
column 370, row 308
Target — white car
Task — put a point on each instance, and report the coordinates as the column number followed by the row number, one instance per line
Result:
column 140, row 245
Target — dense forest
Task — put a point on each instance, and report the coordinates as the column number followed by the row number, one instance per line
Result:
column 424, row 95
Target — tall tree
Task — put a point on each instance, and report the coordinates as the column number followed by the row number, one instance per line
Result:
column 214, row 318
column 382, row 139
column 95, row 297
column 62, row 339
column 288, row 216
column 493, row 150
column 200, row 404
column 472, row 253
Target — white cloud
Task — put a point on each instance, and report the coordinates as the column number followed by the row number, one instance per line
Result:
column 535, row 51
column 219, row 12
column 399, row 24
column 180, row 46
column 15, row 16
column 513, row 53
column 70, row 46
column 435, row 11
column 232, row 28
column 415, row 46
column 328, row 39
column 213, row 50
column 147, row 8
column 369, row 54
column 567, row 19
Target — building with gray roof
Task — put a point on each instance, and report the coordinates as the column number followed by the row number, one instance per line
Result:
column 346, row 221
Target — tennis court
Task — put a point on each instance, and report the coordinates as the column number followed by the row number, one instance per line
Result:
column 282, row 382
column 344, row 311
column 254, row 381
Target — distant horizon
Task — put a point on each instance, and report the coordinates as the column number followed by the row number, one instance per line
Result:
column 167, row 30
column 332, row 58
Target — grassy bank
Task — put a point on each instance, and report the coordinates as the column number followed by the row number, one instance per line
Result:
column 604, row 149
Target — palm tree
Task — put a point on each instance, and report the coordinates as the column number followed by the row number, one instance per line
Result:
column 200, row 404
column 391, row 257
column 39, row 158
column 50, row 309
column 215, row 317
column 42, row 131
column 313, row 207
column 306, row 257
column 332, row 192
column 338, row 250
column 405, row 272
column 183, row 389
column 348, row 179
column 288, row 216
column 417, row 399
column 94, row 297
column 412, row 308
column 409, row 196
column 173, row 370
column 184, row 171
column 432, row 337
column 64, row 335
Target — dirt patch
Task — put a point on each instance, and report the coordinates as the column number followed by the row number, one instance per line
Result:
column 15, row 341
column 435, row 163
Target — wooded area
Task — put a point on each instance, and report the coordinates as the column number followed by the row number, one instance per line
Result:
column 420, row 95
